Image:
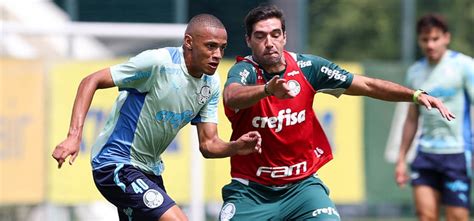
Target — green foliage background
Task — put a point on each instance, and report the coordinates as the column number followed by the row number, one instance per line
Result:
column 358, row 30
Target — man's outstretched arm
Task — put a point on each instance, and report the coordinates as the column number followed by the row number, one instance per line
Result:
column 85, row 93
column 389, row 91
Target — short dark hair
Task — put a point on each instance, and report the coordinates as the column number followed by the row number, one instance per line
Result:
column 200, row 20
column 431, row 20
column 260, row 13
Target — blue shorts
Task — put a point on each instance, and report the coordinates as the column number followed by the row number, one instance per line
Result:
column 137, row 196
column 446, row 173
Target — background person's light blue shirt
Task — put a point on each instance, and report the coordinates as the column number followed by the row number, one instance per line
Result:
column 452, row 81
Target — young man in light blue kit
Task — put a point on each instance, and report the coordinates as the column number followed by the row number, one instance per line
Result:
column 160, row 92
column 441, row 171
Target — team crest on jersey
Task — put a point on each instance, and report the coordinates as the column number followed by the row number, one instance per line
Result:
column 227, row 212
column 204, row 94
column 294, row 86
column 152, row 198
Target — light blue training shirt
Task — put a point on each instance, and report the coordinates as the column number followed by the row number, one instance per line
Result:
column 451, row 81
column 157, row 98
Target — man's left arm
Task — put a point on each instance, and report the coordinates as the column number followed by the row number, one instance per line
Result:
column 389, row 91
column 211, row 146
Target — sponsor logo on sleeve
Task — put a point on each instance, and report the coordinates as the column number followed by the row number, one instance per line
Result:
column 332, row 73
column 243, row 76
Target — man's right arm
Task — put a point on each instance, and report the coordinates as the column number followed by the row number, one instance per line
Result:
column 85, row 93
column 409, row 130
column 239, row 95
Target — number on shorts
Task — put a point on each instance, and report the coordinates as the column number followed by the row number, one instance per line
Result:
column 139, row 186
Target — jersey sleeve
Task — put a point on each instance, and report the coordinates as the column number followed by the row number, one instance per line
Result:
column 242, row 73
column 325, row 76
column 137, row 72
column 469, row 78
column 208, row 112
column 410, row 76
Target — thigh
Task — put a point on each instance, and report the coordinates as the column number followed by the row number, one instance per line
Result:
column 137, row 196
column 309, row 200
column 242, row 202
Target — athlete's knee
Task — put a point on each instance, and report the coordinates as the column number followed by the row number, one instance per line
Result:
column 173, row 214
column 457, row 214
column 424, row 215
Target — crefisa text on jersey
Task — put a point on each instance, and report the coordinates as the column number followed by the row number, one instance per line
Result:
column 290, row 118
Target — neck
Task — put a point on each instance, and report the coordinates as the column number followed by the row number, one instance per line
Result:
column 188, row 61
column 436, row 61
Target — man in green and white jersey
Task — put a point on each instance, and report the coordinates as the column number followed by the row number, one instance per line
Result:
column 441, row 171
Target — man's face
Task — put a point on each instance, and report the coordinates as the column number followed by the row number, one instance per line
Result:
column 208, row 46
column 433, row 42
column 267, row 41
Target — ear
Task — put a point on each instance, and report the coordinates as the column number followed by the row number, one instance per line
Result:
column 284, row 38
column 188, row 42
column 247, row 39
column 448, row 37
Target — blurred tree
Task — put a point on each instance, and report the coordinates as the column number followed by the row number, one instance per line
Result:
column 354, row 30
column 369, row 29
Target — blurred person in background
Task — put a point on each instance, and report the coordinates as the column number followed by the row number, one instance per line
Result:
column 441, row 170
column 161, row 91
column 272, row 91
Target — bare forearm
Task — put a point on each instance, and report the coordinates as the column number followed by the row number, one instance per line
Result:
column 217, row 148
column 379, row 89
column 240, row 97
column 82, row 103
column 409, row 130
column 84, row 96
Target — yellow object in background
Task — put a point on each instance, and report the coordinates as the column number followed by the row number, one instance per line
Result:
column 74, row 184
column 342, row 120
column 22, row 131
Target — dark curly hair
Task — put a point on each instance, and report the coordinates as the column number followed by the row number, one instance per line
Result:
column 260, row 13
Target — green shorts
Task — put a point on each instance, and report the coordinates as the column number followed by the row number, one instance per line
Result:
column 304, row 200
